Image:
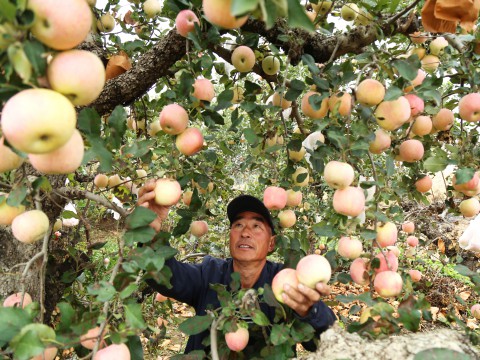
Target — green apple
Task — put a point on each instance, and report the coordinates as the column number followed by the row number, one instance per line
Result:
column 270, row 65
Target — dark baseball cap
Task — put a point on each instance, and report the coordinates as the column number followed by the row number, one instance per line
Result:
column 244, row 203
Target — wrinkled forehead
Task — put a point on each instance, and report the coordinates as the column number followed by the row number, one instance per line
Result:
column 250, row 215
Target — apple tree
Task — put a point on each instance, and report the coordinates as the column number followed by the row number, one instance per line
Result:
column 340, row 115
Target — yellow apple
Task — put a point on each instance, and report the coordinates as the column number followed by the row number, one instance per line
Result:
column 349, row 248
column 309, row 111
column 8, row 159
column 438, row 45
column 417, row 81
column 430, row 63
column 167, row 192
column 279, row 100
column 391, row 115
column 411, row 150
column 443, row 120
column 349, row 12
column 370, row 92
column 381, row 142
column 287, row 218
column 243, row 58
column 299, row 174
column 152, row 7
column 349, row 201
column 422, row 125
column 106, row 23
column 340, row 104
column 312, row 269
column 30, row 226
column 338, row 175
column 270, row 65
column 218, row 13
column 386, row 234
column 38, row 121
column 297, row 155
column 294, row 198
column 198, row 228
column 8, row 213
column 469, row 207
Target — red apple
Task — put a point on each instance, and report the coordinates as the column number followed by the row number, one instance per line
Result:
column 282, row 278
column 349, row 248
column 190, row 141
column 417, row 104
column 381, row 142
column 415, row 275
column 198, row 228
column 14, row 300
column 443, row 120
column 417, row 81
column 423, row 184
column 312, row 269
column 287, row 218
column 358, row 271
column 391, row 115
column 469, row 107
column 388, row 261
column 388, row 284
column 167, row 192
column 475, row 310
column 237, row 340
column 370, row 92
column 275, row 198
column 408, row 227
column 89, row 339
column 411, row 150
column 113, row 352
column 50, row 353
column 203, row 90
column 160, row 298
column 185, row 22
column 412, row 241
column 173, row 119
column 349, row 201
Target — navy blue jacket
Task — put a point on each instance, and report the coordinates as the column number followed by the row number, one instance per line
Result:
column 191, row 285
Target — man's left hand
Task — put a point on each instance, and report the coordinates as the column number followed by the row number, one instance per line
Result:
column 302, row 298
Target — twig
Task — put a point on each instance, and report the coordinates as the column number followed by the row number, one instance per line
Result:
column 213, row 337
column 403, row 12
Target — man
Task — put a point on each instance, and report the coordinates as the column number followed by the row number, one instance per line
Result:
column 252, row 237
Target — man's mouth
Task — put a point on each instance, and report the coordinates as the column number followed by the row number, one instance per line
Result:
column 244, row 246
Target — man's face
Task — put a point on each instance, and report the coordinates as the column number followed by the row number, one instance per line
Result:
column 250, row 237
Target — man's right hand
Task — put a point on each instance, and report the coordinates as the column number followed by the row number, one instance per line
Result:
column 146, row 198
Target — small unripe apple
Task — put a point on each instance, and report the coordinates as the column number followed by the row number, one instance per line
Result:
column 243, row 58
column 237, row 340
column 14, row 300
column 443, row 120
column 424, row 184
column 411, row 150
column 388, row 261
column 287, row 218
column 412, row 241
column 30, row 226
column 141, row 173
column 475, row 310
column 198, row 228
column 113, row 352
column 349, row 248
column 8, row 159
column 469, row 207
column 275, row 198
column 312, row 269
column 294, row 198
column 381, row 142
column 340, row 104
column 338, row 175
column 370, row 92
column 218, row 12
column 415, row 275
column 408, row 227
column 349, row 201
column 270, row 65
column 299, row 174
column 101, row 181
column 173, row 119
column 388, row 284
column 358, row 271
column 308, row 109
column 190, row 141
column 469, row 107
column 185, row 22
column 106, row 23
column 349, row 11
column 284, row 277
column 167, row 192
column 422, row 125
column 386, row 234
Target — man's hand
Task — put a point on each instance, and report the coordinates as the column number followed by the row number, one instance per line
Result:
column 302, row 298
column 146, row 198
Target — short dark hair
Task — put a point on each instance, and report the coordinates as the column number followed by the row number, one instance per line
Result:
column 244, row 203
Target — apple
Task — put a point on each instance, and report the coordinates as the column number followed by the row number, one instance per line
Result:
column 443, row 120
column 203, row 90
column 419, row 51
column 412, row 241
column 322, row 7
column 114, row 181
column 469, row 207
column 89, row 339
column 270, row 65
column 394, row 249
column 279, row 100
column 340, row 104
column 475, row 310
column 388, row 261
column 50, row 353
column 312, row 269
column 358, row 271
column 14, row 300
column 60, row 24
column 284, row 277
column 152, row 8
column 469, row 185
column 294, row 198
column 237, row 340
column 388, row 284
column 423, row 184
column 274, row 198
column 154, row 128
column 415, row 275
column 301, row 177
column 198, row 228
column 408, row 227
column 411, row 150
column 167, row 192
column 438, row 45
column 309, row 111
column 363, row 18
column 106, row 23
column 8, row 159
column 390, row 115
column 37, row 121
column 173, row 119
column 287, row 218
column 218, row 13
column 386, row 234
column 190, row 141
column 417, row 81
column 381, row 142
column 243, row 58
column 370, row 92
column 349, row 248
column 469, row 107
column 430, row 63
column 201, row 189
column 141, row 173
column 417, row 104
column 160, row 298
column 134, row 124
column 77, row 74
column 297, row 156
column 273, row 140
column 113, row 352
column 338, row 175
column 185, row 22
column 58, row 225
column 418, row 38
column 422, row 125
column 349, row 12
column 349, row 201
column 64, row 160
column 30, row 226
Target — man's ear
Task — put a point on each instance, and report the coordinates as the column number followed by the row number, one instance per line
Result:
column 271, row 244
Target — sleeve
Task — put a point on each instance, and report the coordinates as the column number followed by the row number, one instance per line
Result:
column 186, row 282
column 321, row 317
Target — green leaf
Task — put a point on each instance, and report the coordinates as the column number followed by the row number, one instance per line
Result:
column 129, row 290
column 297, row 16
column 441, row 354
column 301, row 331
column 308, row 60
column 13, row 319
column 410, row 319
column 35, row 52
column 463, row 270
column 323, row 229
column 140, row 217
column 26, row 345
column 241, row 7
column 141, row 235
column 133, row 316
column 8, row 10
column 251, row 136
column 104, row 291
column 17, row 195
column 280, row 334
column 117, row 123
column 437, row 162
column 135, row 346
column 20, row 61
column 196, row 324
column 464, row 175
column 260, row 318
column 405, row 69
column 89, row 122
column 393, row 93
